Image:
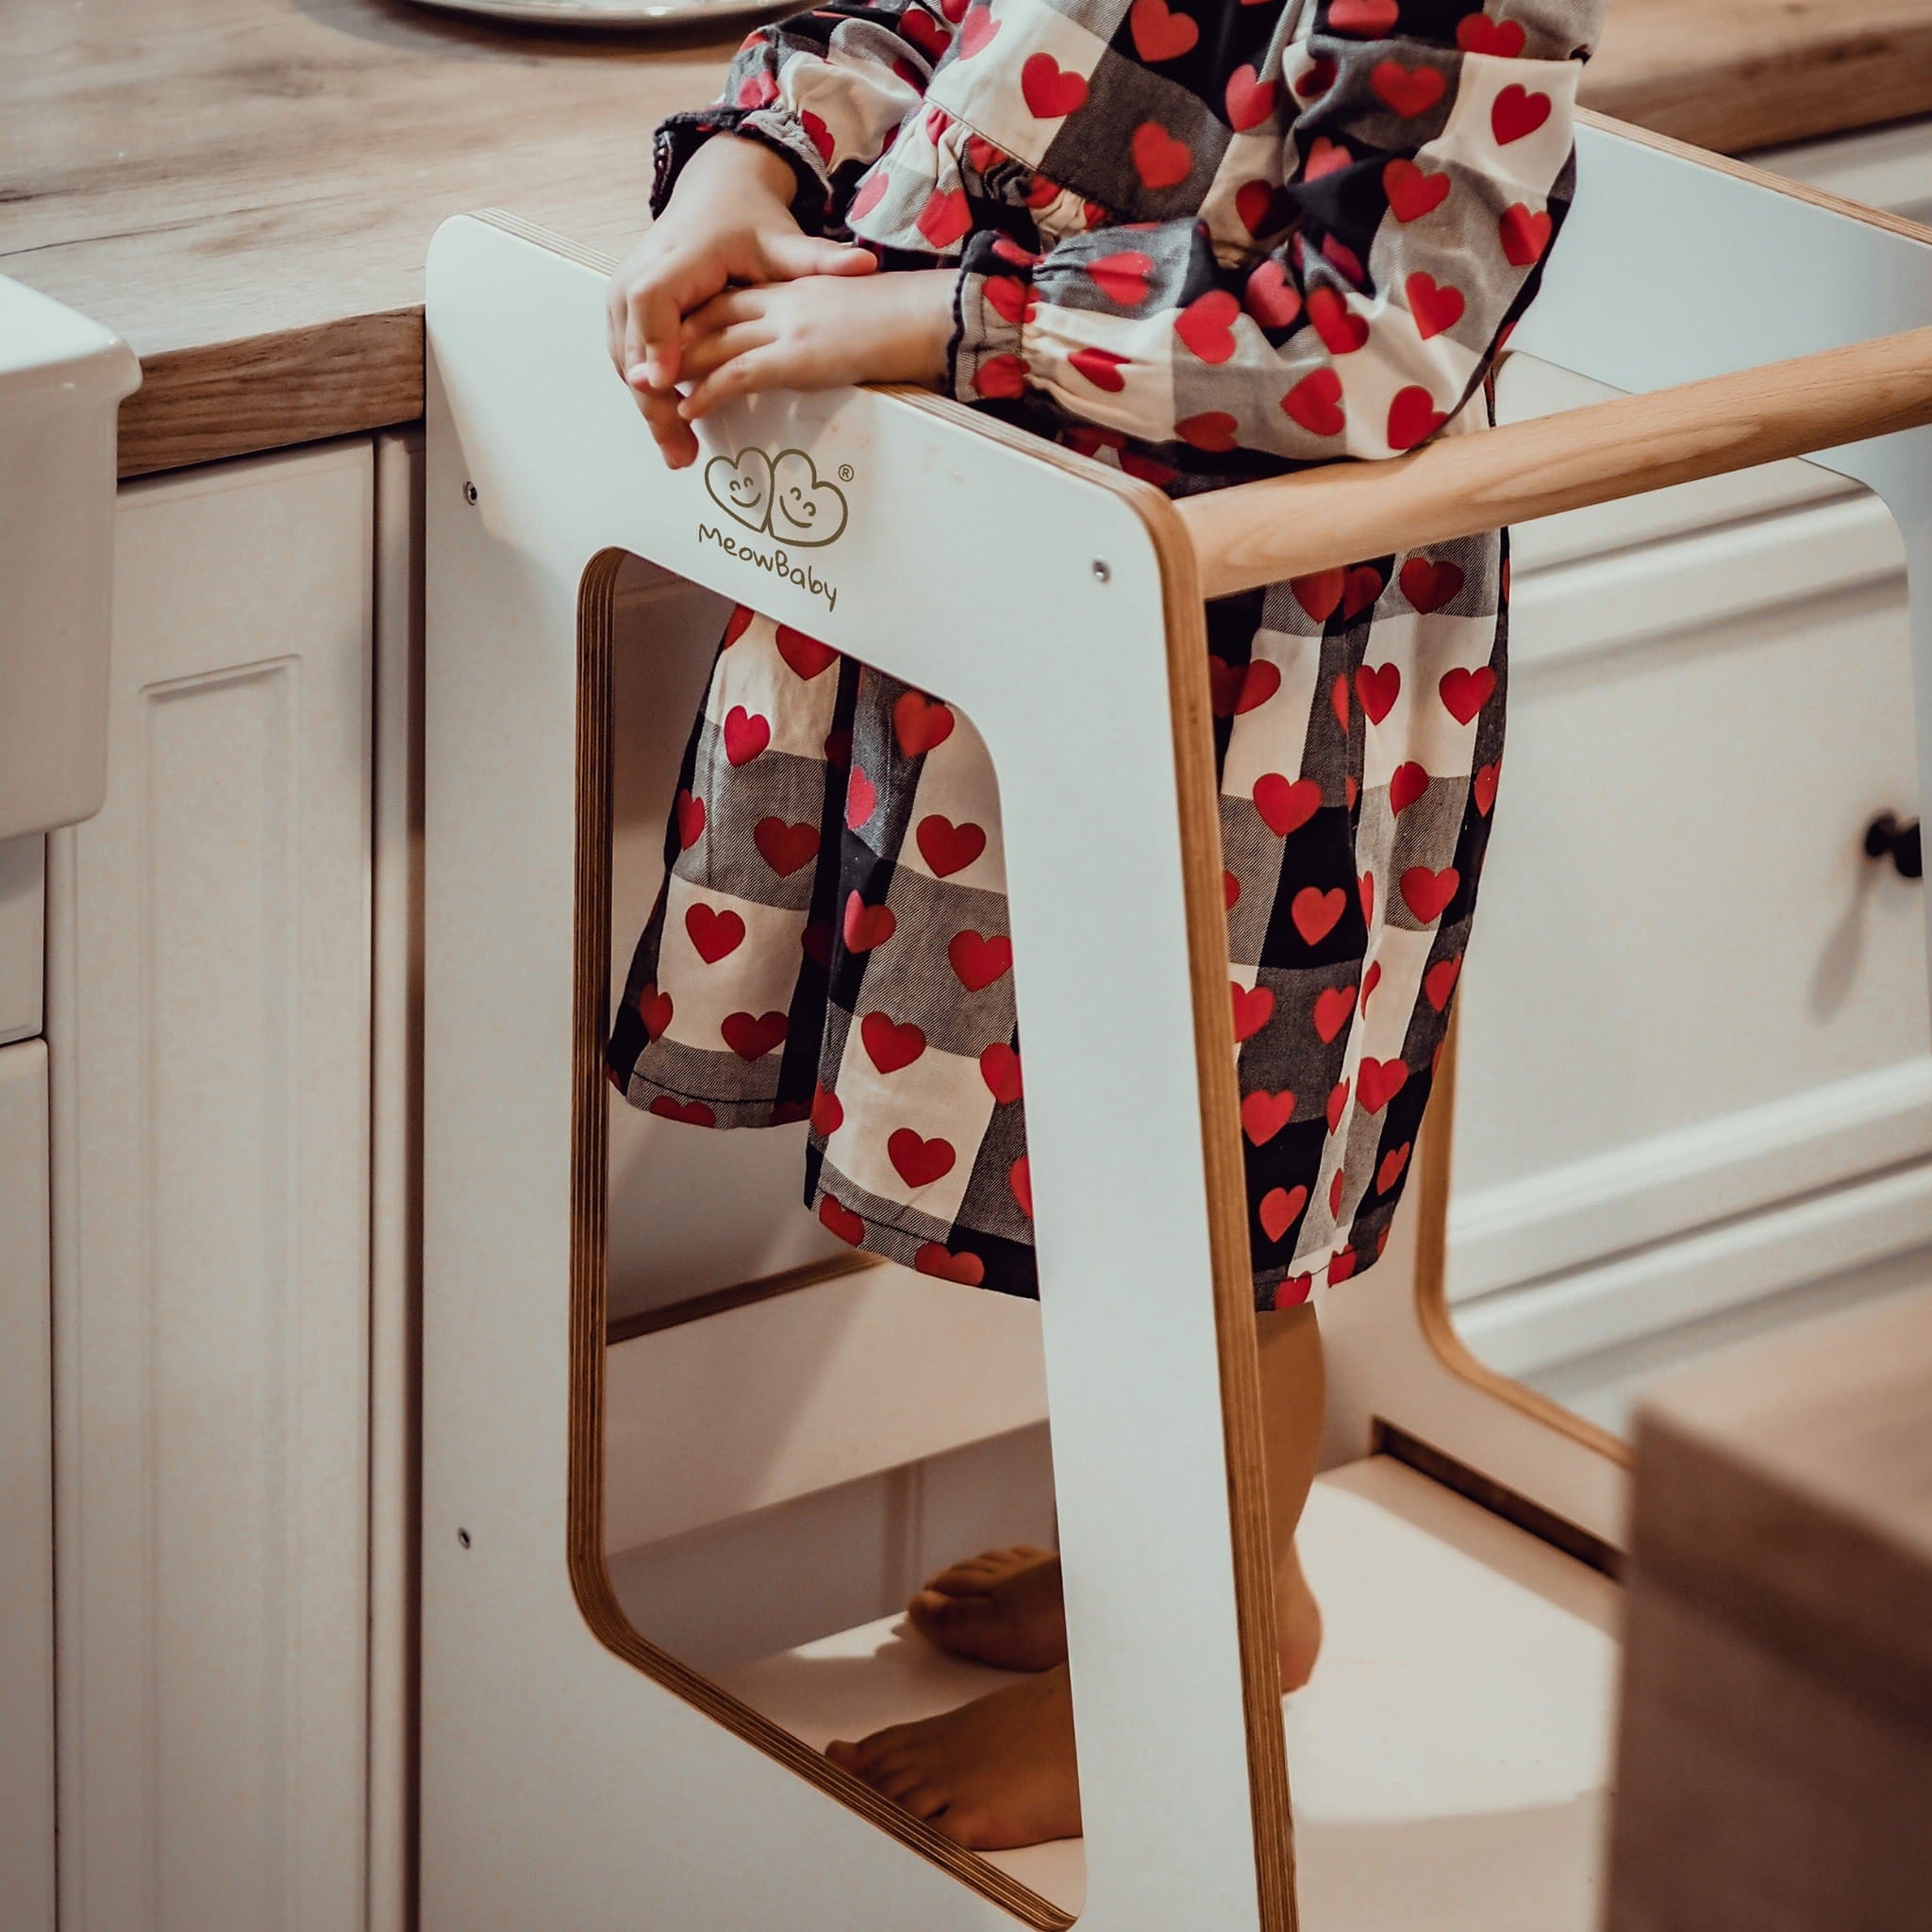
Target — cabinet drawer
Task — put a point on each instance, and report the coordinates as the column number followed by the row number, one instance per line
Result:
column 1691, row 996
column 23, row 935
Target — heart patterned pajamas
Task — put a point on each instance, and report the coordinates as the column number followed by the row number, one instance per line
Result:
column 1202, row 240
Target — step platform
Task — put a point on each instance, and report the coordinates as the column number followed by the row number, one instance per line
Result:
column 1450, row 1762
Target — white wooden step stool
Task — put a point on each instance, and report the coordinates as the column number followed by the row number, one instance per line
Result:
column 574, row 1776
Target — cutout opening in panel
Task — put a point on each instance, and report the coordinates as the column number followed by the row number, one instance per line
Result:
column 776, row 1437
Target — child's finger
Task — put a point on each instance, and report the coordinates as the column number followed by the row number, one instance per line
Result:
column 658, row 302
column 733, row 308
column 756, row 370
column 787, row 257
column 677, row 442
column 709, row 352
column 651, row 322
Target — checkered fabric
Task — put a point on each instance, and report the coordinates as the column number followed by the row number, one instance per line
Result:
column 1200, row 245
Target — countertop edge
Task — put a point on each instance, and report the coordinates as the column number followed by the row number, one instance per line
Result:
column 204, row 404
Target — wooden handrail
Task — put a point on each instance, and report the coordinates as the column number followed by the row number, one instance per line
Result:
column 1284, row 526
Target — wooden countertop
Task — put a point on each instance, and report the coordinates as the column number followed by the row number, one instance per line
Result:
column 246, row 189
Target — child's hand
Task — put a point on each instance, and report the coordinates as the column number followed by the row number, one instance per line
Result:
column 818, row 332
column 729, row 219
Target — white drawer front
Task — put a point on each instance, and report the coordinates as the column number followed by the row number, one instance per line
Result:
column 23, row 935
column 1691, row 996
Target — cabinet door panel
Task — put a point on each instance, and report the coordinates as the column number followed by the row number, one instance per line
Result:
column 27, row 1499
column 1692, row 996
column 209, row 1014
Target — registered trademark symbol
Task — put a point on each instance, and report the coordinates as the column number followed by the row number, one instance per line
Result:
column 844, row 472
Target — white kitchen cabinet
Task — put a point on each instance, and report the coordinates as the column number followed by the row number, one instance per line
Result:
column 208, row 1014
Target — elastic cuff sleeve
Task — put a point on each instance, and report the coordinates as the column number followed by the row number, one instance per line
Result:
column 679, row 136
column 991, row 304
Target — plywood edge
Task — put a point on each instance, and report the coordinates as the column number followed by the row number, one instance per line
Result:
column 1432, row 1307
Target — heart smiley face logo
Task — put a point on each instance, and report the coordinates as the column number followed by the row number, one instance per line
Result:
column 782, row 494
column 743, row 487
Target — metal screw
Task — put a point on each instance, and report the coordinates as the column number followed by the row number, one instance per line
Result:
column 1101, row 573
column 463, row 1537
column 469, row 493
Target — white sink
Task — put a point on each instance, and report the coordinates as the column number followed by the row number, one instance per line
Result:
column 62, row 380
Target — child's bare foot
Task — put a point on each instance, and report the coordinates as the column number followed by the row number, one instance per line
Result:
column 997, row 1772
column 1002, row 1606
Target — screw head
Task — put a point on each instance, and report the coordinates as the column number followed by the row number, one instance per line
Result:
column 469, row 493
column 1102, row 574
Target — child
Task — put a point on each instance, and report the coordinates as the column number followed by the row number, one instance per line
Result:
column 1202, row 239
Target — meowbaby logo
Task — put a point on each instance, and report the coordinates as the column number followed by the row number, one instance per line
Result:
column 782, row 496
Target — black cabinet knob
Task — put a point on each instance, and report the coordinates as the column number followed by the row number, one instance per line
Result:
column 1890, row 837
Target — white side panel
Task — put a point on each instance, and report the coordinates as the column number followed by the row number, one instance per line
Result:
column 641, row 1793
column 23, row 935
column 209, row 1019
column 1728, row 243
column 26, row 1498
